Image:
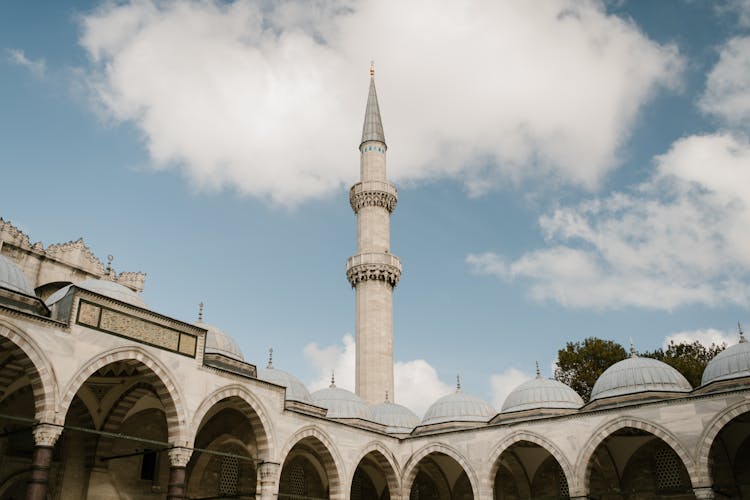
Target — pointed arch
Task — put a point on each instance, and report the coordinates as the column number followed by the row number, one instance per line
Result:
column 608, row 428
column 410, row 469
column 703, row 449
column 330, row 456
column 258, row 417
column 159, row 377
column 387, row 461
column 40, row 372
column 531, row 437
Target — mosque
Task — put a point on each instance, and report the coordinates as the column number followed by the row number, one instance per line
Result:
column 102, row 397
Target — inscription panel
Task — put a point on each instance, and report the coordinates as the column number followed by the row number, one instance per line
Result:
column 88, row 314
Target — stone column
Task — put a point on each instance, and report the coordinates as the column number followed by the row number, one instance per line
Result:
column 703, row 493
column 178, row 460
column 45, row 437
column 267, row 473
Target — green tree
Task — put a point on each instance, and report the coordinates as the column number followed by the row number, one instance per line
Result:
column 690, row 359
column 581, row 363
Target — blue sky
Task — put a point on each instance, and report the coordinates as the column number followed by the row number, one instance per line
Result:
column 565, row 169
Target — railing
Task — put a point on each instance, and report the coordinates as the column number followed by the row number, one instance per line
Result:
column 373, row 258
column 365, row 186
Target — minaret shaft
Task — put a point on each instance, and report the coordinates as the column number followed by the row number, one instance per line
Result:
column 373, row 271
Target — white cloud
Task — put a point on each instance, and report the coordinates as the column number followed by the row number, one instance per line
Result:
column 36, row 67
column 738, row 8
column 269, row 97
column 679, row 239
column 727, row 92
column 503, row 383
column 416, row 382
column 705, row 337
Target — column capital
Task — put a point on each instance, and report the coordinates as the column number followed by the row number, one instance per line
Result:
column 267, row 471
column 46, row 434
column 703, row 493
column 179, row 457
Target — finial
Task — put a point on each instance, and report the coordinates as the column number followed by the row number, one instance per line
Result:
column 386, row 396
column 372, row 69
column 742, row 335
column 200, row 311
column 270, row 357
column 538, row 372
column 108, row 271
column 458, row 382
column 633, row 354
column 333, row 379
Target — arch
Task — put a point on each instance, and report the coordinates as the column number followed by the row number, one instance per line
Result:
column 41, row 374
column 703, row 472
column 162, row 380
column 387, row 462
column 608, row 428
column 530, row 437
column 332, row 463
column 258, row 418
column 410, row 469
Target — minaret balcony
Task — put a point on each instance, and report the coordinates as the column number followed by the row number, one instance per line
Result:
column 373, row 266
column 373, row 194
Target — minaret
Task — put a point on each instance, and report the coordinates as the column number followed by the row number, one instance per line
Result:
column 373, row 271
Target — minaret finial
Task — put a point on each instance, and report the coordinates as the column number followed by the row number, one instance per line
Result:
column 372, row 69
column 270, row 357
column 200, row 311
column 538, row 372
column 333, row 379
column 458, row 382
column 633, row 354
column 742, row 335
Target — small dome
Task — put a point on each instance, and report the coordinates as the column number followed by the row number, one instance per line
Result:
column 342, row 403
column 458, row 407
column 636, row 374
column 732, row 362
column 542, row 393
column 220, row 342
column 107, row 288
column 295, row 390
column 397, row 418
column 13, row 278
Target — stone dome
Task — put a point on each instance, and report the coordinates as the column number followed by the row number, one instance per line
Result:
column 458, row 407
column 541, row 393
column 12, row 278
column 220, row 342
column 397, row 418
column 295, row 390
column 107, row 288
column 342, row 403
column 636, row 374
column 732, row 362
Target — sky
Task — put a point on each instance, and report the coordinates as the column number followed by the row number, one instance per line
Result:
column 566, row 169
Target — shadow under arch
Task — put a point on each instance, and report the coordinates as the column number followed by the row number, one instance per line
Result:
column 158, row 376
column 530, row 437
column 257, row 416
column 41, row 375
column 387, row 462
column 331, row 460
column 706, row 441
column 411, row 468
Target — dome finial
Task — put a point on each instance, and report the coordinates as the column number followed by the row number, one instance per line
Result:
column 387, row 400
column 270, row 357
column 108, row 272
column 333, row 379
column 742, row 335
column 538, row 372
column 200, row 311
column 458, row 382
column 372, row 69
column 633, row 353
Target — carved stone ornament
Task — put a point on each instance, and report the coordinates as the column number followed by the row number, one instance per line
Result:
column 372, row 199
column 267, row 471
column 179, row 457
column 379, row 272
column 46, row 434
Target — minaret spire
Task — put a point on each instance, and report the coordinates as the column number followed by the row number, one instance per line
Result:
column 373, row 271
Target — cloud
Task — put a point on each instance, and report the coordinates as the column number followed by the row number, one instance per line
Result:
column 727, row 95
column 416, row 382
column 705, row 337
column 36, row 67
column 740, row 9
column 503, row 383
column 680, row 238
column 268, row 98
